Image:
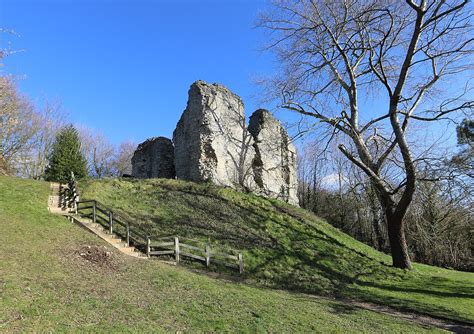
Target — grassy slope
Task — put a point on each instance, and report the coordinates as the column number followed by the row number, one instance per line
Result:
column 286, row 247
column 45, row 286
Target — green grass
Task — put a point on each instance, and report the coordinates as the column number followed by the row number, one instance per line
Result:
column 45, row 286
column 284, row 246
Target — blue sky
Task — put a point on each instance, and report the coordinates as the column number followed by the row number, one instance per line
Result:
column 124, row 67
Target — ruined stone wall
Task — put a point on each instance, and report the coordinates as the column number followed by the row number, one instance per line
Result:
column 274, row 166
column 154, row 158
column 213, row 144
column 211, row 139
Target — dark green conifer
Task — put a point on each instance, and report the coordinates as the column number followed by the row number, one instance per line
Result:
column 66, row 157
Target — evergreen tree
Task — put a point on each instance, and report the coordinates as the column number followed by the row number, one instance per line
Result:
column 66, row 157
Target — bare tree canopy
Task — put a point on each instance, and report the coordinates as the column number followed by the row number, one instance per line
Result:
column 18, row 123
column 99, row 153
column 337, row 54
column 123, row 158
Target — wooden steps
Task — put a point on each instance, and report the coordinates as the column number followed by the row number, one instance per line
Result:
column 88, row 214
column 111, row 239
column 55, row 206
column 55, row 200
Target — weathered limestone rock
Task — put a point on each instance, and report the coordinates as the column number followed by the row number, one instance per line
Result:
column 154, row 158
column 211, row 139
column 274, row 166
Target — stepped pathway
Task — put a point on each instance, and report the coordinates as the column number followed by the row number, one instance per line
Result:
column 55, row 205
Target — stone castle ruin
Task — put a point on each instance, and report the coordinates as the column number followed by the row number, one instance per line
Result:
column 212, row 143
column 154, row 158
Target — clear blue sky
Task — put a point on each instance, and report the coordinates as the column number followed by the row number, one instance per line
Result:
column 124, row 67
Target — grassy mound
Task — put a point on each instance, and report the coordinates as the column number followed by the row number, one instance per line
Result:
column 284, row 246
column 57, row 277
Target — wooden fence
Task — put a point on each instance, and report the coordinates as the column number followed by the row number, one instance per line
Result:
column 178, row 247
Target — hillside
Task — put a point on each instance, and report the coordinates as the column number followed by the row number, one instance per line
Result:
column 56, row 277
column 285, row 247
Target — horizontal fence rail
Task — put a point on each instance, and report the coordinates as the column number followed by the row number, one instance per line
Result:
column 171, row 245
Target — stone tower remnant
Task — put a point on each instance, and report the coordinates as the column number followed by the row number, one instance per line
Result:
column 211, row 139
column 212, row 143
column 154, row 158
column 274, row 165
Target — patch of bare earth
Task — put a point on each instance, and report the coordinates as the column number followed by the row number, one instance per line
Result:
column 100, row 257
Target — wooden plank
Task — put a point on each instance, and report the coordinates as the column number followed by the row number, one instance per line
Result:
column 127, row 235
column 224, row 255
column 197, row 257
column 136, row 241
column 119, row 222
column 85, row 208
column 87, row 201
column 94, row 212
column 227, row 264
column 105, row 219
column 162, row 244
column 241, row 263
column 111, row 222
column 193, row 240
column 192, row 247
column 100, row 204
column 148, row 246
column 176, row 249
column 208, row 256
column 105, row 212
column 161, row 252
column 170, row 237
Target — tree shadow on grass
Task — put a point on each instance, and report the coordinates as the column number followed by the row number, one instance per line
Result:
column 461, row 291
column 300, row 256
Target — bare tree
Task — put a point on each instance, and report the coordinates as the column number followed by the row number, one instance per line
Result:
column 336, row 54
column 50, row 119
column 99, row 153
column 19, row 124
column 123, row 158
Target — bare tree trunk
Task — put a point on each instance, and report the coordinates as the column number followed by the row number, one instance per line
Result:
column 377, row 229
column 396, row 236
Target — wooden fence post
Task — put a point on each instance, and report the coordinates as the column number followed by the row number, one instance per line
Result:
column 176, row 249
column 75, row 201
column 128, row 234
column 94, row 211
column 111, row 221
column 241, row 263
column 147, row 246
column 208, row 256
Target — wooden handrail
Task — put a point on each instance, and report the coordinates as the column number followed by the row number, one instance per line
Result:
column 173, row 247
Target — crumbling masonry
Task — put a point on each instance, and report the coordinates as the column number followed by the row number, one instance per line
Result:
column 212, row 143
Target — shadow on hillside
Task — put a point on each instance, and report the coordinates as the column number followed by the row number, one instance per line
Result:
column 460, row 291
column 340, row 277
column 253, row 235
column 288, row 251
